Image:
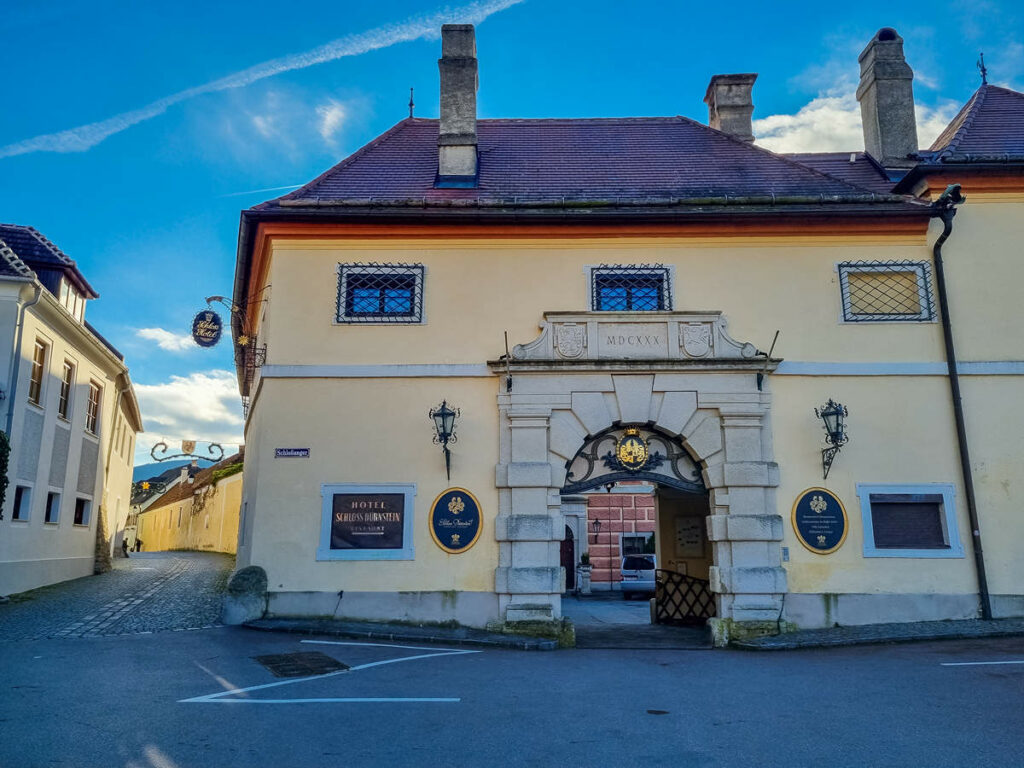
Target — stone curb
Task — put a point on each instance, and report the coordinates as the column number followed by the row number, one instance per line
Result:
column 393, row 633
column 876, row 634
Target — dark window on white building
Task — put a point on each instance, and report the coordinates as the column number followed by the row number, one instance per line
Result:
column 909, row 521
column 92, row 413
column 82, row 509
column 22, row 503
column 52, row 508
column 35, row 380
column 66, row 382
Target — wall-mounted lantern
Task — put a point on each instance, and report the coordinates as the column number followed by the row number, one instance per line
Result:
column 444, row 428
column 596, row 525
column 832, row 415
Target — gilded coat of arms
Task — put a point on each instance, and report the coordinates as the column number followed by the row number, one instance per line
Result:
column 818, row 504
column 695, row 339
column 631, row 449
column 456, row 505
column 570, row 340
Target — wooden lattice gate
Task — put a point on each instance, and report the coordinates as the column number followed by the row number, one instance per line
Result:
column 681, row 599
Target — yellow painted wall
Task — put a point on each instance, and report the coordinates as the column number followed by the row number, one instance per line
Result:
column 369, row 431
column 182, row 525
column 901, row 427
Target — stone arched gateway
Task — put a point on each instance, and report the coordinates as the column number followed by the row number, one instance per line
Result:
column 678, row 373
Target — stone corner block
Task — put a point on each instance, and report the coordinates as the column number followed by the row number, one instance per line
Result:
column 529, row 474
column 529, row 581
column 745, row 528
column 764, row 580
column 246, row 597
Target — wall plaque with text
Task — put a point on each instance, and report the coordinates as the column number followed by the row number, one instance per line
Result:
column 819, row 520
column 368, row 521
column 455, row 520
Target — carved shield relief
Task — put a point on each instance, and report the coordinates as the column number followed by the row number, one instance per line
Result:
column 570, row 340
column 695, row 339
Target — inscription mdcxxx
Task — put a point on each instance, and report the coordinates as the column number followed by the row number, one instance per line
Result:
column 633, row 340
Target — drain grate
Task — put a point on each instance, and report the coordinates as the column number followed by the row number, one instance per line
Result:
column 300, row 664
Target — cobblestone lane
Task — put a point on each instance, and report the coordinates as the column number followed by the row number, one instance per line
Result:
column 149, row 592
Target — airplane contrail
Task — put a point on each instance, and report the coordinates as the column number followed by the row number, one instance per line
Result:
column 84, row 137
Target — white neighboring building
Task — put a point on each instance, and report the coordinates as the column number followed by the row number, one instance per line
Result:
column 71, row 415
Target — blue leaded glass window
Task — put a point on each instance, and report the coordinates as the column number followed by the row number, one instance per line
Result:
column 380, row 293
column 630, row 288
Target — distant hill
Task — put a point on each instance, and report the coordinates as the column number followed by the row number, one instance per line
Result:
column 146, row 471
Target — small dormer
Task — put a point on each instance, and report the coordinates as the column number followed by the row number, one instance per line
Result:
column 72, row 299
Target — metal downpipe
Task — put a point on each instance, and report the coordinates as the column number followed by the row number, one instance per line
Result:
column 945, row 209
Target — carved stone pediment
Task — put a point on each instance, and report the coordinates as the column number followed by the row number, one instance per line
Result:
column 592, row 336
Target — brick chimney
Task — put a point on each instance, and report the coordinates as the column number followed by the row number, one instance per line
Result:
column 730, row 105
column 456, row 143
column 886, row 97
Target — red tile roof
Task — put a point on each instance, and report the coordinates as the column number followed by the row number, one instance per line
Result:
column 594, row 160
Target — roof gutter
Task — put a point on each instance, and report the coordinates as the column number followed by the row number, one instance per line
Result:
column 945, row 209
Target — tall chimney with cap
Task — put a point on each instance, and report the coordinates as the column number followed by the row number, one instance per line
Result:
column 730, row 105
column 886, row 97
column 456, row 142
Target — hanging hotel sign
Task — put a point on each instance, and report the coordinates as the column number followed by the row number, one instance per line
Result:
column 368, row 521
column 455, row 520
column 820, row 521
column 207, row 328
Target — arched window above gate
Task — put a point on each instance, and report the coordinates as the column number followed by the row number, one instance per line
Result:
column 632, row 452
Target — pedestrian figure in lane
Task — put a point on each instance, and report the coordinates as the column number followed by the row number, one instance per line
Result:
column 124, row 546
column 138, row 545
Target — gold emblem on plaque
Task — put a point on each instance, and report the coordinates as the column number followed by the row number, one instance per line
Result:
column 456, row 540
column 631, row 449
column 456, row 505
column 818, row 504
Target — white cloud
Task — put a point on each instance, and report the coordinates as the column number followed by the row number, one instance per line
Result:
column 202, row 406
column 84, row 137
column 166, row 340
column 332, row 116
column 831, row 123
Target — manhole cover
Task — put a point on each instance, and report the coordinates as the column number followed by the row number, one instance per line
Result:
column 300, row 664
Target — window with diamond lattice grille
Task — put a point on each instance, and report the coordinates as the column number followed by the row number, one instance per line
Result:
column 380, row 293
column 886, row 291
column 630, row 288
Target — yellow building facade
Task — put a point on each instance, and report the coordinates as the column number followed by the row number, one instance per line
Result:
column 570, row 315
column 199, row 513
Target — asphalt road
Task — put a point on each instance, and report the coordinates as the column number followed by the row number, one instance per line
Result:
column 175, row 699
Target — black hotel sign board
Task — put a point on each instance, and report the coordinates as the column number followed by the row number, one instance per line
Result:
column 368, row 521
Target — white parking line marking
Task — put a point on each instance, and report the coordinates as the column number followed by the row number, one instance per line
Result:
column 219, row 697
column 977, row 663
column 378, row 700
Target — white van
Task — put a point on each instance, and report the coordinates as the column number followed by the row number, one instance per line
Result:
column 638, row 574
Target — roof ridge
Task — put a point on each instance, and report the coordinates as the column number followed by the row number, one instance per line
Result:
column 783, row 158
column 14, row 261
column 345, row 162
column 969, row 111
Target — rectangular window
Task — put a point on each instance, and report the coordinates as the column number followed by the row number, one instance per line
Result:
column 380, row 293
column 66, row 382
column 82, row 508
column 886, row 291
column 630, row 288
column 52, row 507
column 22, row 503
column 637, row 543
column 909, row 521
column 35, row 382
column 92, row 413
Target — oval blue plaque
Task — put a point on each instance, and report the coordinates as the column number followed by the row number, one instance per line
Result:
column 820, row 521
column 455, row 520
column 207, row 328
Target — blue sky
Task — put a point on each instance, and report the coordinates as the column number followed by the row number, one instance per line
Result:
column 134, row 133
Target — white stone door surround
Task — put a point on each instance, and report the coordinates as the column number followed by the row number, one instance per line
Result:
column 678, row 372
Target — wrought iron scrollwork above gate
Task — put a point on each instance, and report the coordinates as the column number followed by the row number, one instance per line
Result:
column 632, row 452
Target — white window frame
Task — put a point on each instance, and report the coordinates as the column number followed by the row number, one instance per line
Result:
column 26, row 502
column 44, row 368
column 94, row 430
column 69, row 411
column 668, row 291
column 56, row 493
column 417, row 271
column 923, row 271
column 408, row 550
column 87, row 514
column 949, row 522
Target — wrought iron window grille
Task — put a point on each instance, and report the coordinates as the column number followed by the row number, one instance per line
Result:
column 630, row 288
column 886, row 291
column 380, row 293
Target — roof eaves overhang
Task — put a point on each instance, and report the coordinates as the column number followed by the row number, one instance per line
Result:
column 1002, row 165
column 561, row 211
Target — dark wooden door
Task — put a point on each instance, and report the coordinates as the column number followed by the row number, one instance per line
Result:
column 569, row 559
